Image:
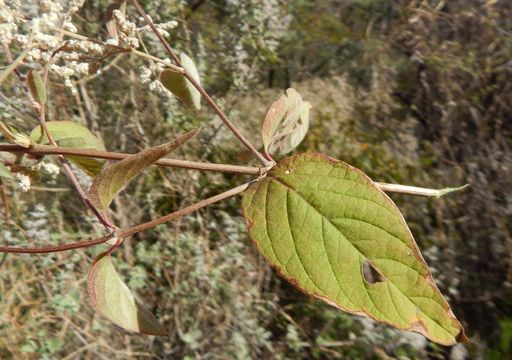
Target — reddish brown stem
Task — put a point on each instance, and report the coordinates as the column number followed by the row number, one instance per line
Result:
column 40, row 150
column 185, row 211
column 130, row 231
column 56, row 248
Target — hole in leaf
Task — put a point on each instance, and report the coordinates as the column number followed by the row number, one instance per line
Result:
column 371, row 274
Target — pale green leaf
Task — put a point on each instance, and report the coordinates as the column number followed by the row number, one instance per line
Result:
column 332, row 233
column 111, row 297
column 114, row 178
column 73, row 135
column 4, row 171
column 36, row 87
column 182, row 88
column 286, row 123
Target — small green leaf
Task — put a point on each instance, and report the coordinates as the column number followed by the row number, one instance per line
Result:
column 286, row 123
column 114, row 178
column 111, row 297
column 182, row 88
column 36, row 87
column 73, row 135
column 331, row 232
column 4, row 171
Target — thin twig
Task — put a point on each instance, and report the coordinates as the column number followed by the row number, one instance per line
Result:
column 56, row 248
column 185, row 211
column 201, row 90
column 130, row 231
column 40, row 150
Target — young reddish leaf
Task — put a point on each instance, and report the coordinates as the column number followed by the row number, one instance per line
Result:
column 321, row 222
column 272, row 121
column 183, row 89
column 36, row 87
column 114, row 178
column 111, row 297
column 286, row 123
column 73, row 135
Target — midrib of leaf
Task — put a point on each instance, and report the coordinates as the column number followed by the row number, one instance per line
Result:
column 288, row 188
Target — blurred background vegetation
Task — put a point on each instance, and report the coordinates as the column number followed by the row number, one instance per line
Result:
column 412, row 92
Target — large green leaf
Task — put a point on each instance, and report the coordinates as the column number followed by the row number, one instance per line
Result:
column 73, row 135
column 328, row 230
column 111, row 297
column 182, row 88
column 115, row 177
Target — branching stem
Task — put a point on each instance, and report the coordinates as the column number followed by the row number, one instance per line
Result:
column 201, row 90
column 130, row 231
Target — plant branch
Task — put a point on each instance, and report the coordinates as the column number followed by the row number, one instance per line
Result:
column 185, row 211
column 40, row 150
column 56, row 248
column 201, row 90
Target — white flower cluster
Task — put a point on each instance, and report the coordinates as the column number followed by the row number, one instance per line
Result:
column 126, row 31
column 23, row 181
column 163, row 28
column 36, row 224
column 35, row 28
column 52, row 169
column 8, row 23
column 149, row 76
column 261, row 25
